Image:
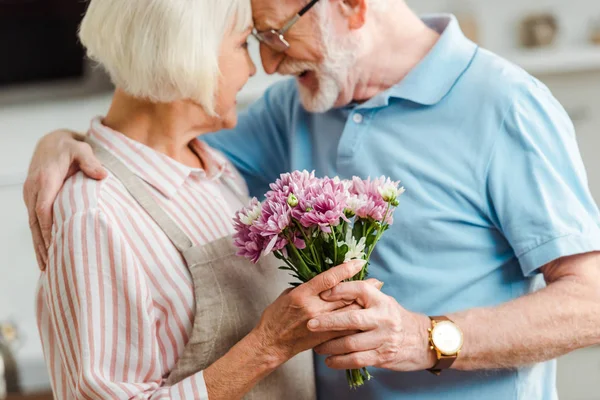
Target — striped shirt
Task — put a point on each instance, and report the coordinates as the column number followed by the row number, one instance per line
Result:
column 115, row 306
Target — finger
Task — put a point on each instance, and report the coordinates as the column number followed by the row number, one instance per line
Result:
column 357, row 360
column 360, row 320
column 333, row 276
column 46, row 192
column 362, row 292
column 89, row 163
column 375, row 283
column 40, row 262
column 342, row 305
column 36, row 233
column 362, row 341
column 336, row 305
column 37, row 245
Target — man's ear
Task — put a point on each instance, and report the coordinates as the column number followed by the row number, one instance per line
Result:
column 355, row 11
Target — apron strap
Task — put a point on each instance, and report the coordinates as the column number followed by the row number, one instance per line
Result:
column 136, row 188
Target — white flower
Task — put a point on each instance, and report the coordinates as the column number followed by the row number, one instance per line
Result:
column 356, row 250
column 389, row 191
column 251, row 215
column 328, row 261
column 355, row 202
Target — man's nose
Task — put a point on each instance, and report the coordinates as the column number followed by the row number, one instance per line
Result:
column 270, row 59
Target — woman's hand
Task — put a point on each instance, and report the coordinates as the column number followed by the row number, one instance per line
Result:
column 57, row 156
column 283, row 327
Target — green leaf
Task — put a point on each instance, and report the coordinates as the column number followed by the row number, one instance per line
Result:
column 341, row 254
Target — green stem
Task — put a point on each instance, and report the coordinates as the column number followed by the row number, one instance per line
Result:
column 288, row 262
column 306, row 273
column 335, row 244
column 309, row 245
column 379, row 232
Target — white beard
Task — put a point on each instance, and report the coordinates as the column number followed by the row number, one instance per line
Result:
column 332, row 74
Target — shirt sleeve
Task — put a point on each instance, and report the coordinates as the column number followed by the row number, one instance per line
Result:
column 101, row 313
column 537, row 184
column 259, row 147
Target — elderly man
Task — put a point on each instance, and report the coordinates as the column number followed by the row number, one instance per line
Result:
column 494, row 253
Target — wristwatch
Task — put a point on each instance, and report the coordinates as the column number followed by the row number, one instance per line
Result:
column 446, row 339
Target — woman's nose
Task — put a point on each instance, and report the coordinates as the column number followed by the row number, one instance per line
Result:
column 270, row 59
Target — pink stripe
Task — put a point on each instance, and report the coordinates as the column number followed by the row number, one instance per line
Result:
column 156, row 168
column 128, row 333
column 159, row 264
column 211, row 211
column 88, row 291
column 62, row 310
column 195, row 386
column 169, row 334
column 76, row 312
column 157, row 285
column 150, row 161
column 139, row 312
column 101, row 295
column 174, row 212
column 115, row 302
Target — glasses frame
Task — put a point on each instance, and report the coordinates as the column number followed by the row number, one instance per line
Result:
column 274, row 38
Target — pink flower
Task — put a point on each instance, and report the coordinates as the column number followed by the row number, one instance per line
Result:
column 294, row 182
column 250, row 244
column 275, row 218
column 321, row 204
column 367, row 201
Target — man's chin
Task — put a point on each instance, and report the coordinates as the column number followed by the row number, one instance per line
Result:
column 316, row 102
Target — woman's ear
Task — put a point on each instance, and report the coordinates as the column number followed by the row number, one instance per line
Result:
column 355, row 11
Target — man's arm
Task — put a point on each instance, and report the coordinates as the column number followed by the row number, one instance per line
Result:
column 541, row 326
column 57, row 156
column 560, row 318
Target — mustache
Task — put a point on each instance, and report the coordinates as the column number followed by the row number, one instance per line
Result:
column 295, row 67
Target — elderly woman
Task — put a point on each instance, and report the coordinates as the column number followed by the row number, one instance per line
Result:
column 143, row 296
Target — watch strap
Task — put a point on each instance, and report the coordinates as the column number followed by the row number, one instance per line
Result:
column 444, row 362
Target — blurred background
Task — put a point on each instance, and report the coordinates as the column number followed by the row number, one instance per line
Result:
column 45, row 84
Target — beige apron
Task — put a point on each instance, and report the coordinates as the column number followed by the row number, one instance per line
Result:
column 230, row 295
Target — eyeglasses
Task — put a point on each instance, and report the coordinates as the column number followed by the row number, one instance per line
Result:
column 275, row 38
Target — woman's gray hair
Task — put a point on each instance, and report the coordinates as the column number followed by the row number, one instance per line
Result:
column 163, row 50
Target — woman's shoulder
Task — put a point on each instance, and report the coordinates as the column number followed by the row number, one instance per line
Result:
column 79, row 195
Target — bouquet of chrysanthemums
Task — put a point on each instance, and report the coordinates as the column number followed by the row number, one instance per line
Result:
column 313, row 224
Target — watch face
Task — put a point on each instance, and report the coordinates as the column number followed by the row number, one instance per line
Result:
column 447, row 338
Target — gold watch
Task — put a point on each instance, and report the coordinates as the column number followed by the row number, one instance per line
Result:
column 446, row 339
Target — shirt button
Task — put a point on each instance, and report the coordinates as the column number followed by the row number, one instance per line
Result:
column 358, row 118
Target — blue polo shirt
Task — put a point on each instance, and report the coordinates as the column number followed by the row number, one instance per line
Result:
column 495, row 189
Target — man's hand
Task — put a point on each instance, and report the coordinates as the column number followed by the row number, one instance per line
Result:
column 390, row 336
column 57, row 156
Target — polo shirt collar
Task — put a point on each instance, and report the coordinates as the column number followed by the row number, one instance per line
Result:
column 435, row 76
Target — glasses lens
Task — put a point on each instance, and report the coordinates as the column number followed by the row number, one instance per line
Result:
column 273, row 39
